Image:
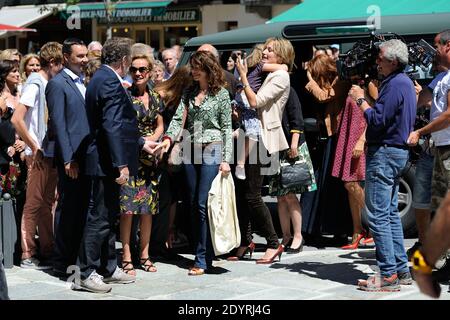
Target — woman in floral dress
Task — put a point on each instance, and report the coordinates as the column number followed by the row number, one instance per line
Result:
column 140, row 195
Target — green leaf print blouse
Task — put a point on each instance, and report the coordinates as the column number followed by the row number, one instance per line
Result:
column 209, row 122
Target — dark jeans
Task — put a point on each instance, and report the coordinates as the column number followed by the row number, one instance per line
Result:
column 3, row 284
column 70, row 217
column 245, row 225
column 97, row 250
column 259, row 213
column 199, row 179
column 160, row 223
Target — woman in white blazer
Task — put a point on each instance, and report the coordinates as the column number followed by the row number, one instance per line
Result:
column 270, row 102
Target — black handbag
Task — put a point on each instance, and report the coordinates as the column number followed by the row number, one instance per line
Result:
column 294, row 173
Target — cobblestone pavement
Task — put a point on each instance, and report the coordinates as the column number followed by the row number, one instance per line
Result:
column 326, row 274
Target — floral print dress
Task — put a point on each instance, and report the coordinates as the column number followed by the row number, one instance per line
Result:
column 141, row 195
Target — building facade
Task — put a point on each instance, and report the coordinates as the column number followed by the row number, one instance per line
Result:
column 160, row 24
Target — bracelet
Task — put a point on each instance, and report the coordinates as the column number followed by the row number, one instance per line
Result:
column 419, row 263
column 245, row 86
column 166, row 138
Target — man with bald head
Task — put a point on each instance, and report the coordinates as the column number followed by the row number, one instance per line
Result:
column 232, row 82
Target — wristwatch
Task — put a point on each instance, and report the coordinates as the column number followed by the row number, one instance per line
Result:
column 420, row 264
column 360, row 101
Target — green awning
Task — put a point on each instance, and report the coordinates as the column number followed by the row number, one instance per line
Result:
column 348, row 9
column 123, row 9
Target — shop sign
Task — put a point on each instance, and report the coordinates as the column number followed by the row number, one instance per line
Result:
column 170, row 16
column 122, row 13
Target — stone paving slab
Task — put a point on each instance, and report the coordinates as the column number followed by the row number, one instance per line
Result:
column 314, row 274
column 35, row 290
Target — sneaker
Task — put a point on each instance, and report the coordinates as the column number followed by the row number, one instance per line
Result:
column 240, row 172
column 94, row 283
column 377, row 284
column 413, row 249
column 34, row 263
column 119, row 276
column 405, row 278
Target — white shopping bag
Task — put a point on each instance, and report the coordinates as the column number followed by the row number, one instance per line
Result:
column 222, row 214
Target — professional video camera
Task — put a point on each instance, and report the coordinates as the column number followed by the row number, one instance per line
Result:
column 360, row 61
column 421, row 54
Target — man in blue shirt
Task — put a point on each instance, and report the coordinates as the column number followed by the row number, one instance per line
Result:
column 389, row 123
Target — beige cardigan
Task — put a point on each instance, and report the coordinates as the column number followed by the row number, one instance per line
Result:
column 271, row 100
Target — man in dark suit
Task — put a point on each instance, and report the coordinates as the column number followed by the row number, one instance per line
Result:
column 112, row 155
column 70, row 128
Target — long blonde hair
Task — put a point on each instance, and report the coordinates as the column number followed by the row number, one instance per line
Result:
column 8, row 54
column 255, row 57
column 283, row 49
column 24, row 62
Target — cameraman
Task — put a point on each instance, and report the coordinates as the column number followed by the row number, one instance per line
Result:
column 438, row 239
column 389, row 123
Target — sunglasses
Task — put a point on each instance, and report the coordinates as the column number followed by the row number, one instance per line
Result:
column 140, row 69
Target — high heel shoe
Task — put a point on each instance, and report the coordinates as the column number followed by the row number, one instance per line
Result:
column 357, row 239
column 249, row 249
column 288, row 243
column 299, row 249
column 367, row 239
column 270, row 260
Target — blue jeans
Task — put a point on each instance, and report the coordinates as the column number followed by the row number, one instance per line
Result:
column 384, row 165
column 200, row 175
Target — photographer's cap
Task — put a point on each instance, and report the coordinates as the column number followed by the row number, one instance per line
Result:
column 334, row 46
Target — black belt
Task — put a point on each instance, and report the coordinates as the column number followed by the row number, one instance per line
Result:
column 399, row 146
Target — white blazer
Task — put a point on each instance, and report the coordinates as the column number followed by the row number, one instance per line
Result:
column 271, row 100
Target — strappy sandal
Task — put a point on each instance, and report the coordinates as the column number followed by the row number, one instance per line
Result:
column 127, row 269
column 147, row 267
column 196, row 271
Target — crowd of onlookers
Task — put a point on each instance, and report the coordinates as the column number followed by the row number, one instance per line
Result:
column 87, row 135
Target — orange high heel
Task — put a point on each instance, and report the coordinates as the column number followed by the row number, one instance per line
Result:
column 367, row 239
column 270, row 260
column 250, row 248
column 356, row 238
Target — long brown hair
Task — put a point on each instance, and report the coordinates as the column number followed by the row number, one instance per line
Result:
column 6, row 66
column 323, row 70
column 174, row 87
column 207, row 62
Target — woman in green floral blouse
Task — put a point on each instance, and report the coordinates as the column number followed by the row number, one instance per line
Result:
column 140, row 195
column 207, row 108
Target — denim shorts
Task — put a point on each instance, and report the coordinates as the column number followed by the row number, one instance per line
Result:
column 422, row 183
column 441, row 176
